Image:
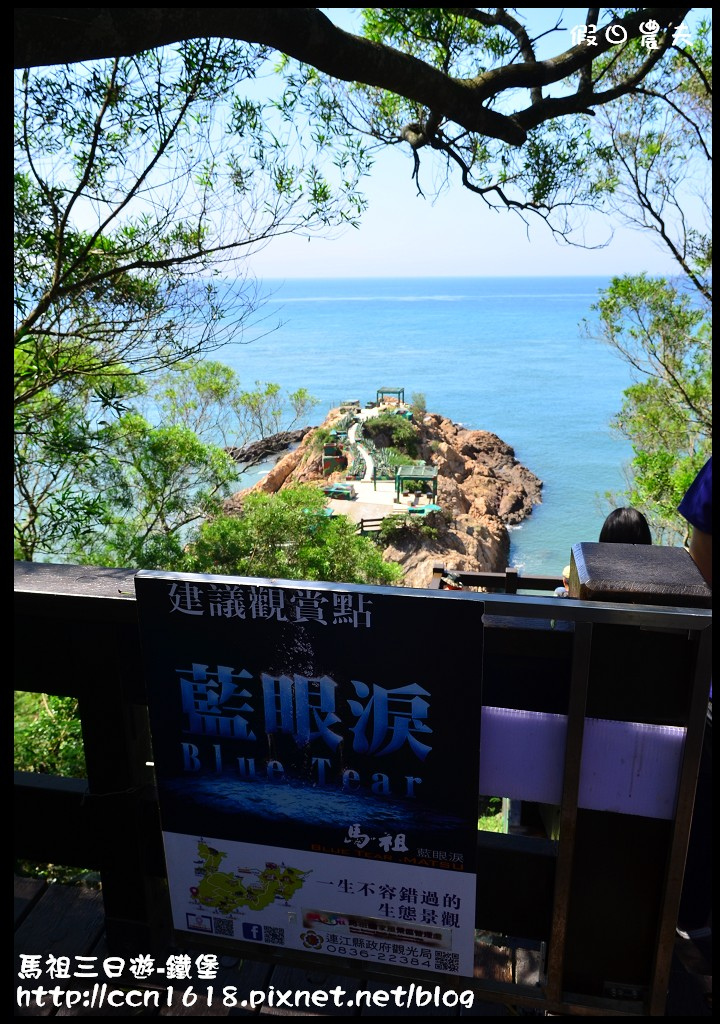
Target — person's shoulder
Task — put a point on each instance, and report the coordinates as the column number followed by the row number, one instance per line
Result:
column 696, row 505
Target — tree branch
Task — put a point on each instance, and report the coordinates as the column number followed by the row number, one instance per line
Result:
column 66, row 35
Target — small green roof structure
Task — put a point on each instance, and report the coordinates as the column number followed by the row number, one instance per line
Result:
column 398, row 392
column 408, row 474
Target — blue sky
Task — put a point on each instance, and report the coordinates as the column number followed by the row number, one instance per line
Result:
column 402, row 234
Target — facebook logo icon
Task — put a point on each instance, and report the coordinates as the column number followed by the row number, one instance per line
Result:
column 252, row 931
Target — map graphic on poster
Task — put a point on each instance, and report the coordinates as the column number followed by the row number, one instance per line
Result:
column 406, row 917
column 332, row 722
column 229, row 892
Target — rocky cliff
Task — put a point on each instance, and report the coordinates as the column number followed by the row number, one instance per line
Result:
column 481, row 486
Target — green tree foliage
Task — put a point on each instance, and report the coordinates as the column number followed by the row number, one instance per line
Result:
column 265, row 409
column 58, row 445
column 655, row 171
column 288, row 535
column 113, row 281
column 653, row 161
column 319, row 438
column 207, row 397
column 402, row 529
column 667, row 413
column 138, row 180
column 48, row 735
column 520, row 136
column 155, row 482
column 476, row 92
column 123, row 486
column 48, row 740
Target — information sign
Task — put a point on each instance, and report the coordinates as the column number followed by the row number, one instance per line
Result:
column 316, row 751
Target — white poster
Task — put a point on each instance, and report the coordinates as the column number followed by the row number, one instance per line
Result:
column 364, row 909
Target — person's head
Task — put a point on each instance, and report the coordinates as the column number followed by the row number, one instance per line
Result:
column 625, row 526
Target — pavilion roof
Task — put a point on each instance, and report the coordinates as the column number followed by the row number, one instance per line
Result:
column 416, row 472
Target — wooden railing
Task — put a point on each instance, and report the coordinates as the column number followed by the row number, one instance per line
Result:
column 76, row 633
column 508, row 582
column 372, row 524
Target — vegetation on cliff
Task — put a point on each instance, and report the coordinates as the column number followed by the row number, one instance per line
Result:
column 481, row 488
column 288, row 535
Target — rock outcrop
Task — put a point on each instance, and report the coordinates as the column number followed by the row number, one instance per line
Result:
column 478, row 474
column 259, row 451
column 301, row 465
column 482, row 489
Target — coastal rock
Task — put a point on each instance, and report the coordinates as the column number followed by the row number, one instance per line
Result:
column 489, row 477
column 466, row 544
column 290, row 468
column 259, row 451
column 481, row 487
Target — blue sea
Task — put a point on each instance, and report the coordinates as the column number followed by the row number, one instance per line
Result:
column 508, row 355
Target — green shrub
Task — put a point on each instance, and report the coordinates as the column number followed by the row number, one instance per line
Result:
column 48, row 740
column 320, row 437
column 418, row 405
column 48, row 735
column 395, row 458
column 390, row 431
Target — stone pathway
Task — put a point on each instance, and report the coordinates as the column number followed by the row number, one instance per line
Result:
column 376, row 498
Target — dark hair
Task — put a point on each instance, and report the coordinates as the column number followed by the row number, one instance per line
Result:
column 625, row 526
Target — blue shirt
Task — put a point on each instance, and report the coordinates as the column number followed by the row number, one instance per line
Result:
column 696, row 506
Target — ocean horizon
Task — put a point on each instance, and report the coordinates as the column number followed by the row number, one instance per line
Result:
column 509, row 355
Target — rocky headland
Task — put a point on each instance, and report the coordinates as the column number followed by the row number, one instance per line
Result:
column 481, row 487
column 255, row 452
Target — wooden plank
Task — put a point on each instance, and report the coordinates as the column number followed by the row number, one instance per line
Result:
column 690, row 991
column 26, row 893
column 315, row 986
column 690, row 979
column 110, row 1011
column 65, row 922
column 483, row 1008
column 54, row 610
column 248, row 977
column 231, row 992
column 50, row 805
column 47, row 578
column 699, row 733
column 182, row 1004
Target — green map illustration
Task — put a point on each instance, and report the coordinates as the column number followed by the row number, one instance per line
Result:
column 227, row 892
